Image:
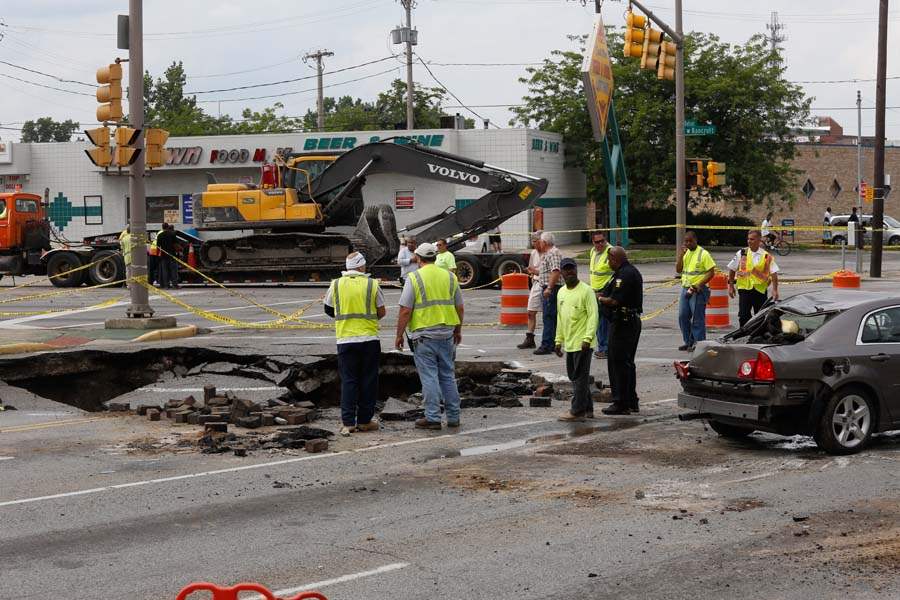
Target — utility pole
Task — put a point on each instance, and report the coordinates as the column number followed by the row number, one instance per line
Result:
column 878, row 178
column 320, row 100
column 680, row 188
column 858, row 176
column 140, row 298
column 408, row 5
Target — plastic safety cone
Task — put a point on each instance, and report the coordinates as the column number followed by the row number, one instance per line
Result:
column 192, row 257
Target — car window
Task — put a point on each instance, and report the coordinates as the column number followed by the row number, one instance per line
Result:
column 2, row 209
column 839, row 221
column 23, row 205
column 891, row 222
column 882, row 327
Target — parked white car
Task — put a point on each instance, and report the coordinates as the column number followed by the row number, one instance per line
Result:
column 891, row 229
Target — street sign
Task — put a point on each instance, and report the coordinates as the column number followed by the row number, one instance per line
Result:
column 692, row 128
column 597, row 77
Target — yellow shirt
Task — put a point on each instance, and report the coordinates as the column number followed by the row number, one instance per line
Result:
column 694, row 266
column 445, row 260
column 576, row 317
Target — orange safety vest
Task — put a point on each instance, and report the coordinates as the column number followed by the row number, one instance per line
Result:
column 755, row 276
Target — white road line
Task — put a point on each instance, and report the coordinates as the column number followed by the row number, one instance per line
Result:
column 336, row 580
column 271, row 388
column 655, row 402
column 7, row 457
column 275, row 463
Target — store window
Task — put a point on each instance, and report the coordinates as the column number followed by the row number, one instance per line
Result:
column 163, row 209
column 93, row 210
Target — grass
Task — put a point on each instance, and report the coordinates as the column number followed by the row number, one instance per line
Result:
column 639, row 254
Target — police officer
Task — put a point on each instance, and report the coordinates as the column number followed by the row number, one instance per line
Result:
column 356, row 303
column 601, row 273
column 622, row 302
column 753, row 270
column 431, row 308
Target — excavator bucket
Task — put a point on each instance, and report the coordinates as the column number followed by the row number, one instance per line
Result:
column 376, row 233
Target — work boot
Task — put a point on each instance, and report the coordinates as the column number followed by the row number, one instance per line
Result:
column 370, row 426
column 570, row 417
column 616, row 409
column 424, row 423
column 528, row 343
column 541, row 351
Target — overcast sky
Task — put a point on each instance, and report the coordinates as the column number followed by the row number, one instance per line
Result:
column 226, row 44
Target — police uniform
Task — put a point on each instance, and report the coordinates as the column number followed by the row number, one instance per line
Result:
column 601, row 273
column 354, row 300
column 752, row 273
column 626, row 287
column 432, row 293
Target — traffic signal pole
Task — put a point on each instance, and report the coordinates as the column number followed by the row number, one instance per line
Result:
column 140, row 298
column 680, row 165
column 878, row 177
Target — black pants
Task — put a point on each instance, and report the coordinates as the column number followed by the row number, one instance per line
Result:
column 749, row 300
column 358, row 365
column 623, row 342
column 578, row 368
column 168, row 272
column 152, row 267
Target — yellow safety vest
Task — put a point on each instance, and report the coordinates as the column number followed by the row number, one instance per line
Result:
column 756, row 276
column 125, row 246
column 691, row 273
column 601, row 272
column 435, row 293
column 355, row 310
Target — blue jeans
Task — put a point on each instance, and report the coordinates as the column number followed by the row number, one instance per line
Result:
column 692, row 315
column 548, row 333
column 602, row 333
column 358, row 366
column 435, row 364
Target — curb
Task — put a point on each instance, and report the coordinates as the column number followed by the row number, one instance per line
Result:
column 168, row 334
column 23, row 347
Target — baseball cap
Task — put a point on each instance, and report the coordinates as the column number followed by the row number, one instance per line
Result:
column 426, row 250
column 568, row 262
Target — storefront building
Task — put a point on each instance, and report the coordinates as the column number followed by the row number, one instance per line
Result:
column 84, row 200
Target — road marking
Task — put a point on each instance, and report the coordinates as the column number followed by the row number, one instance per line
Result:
column 336, row 580
column 271, row 388
column 7, row 457
column 47, row 425
column 655, row 402
column 265, row 465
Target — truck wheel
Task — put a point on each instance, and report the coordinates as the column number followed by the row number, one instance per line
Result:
column 467, row 271
column 109, row 266
column 506, row 266
column 62, row 262
column 847, row 423
column 734, row 432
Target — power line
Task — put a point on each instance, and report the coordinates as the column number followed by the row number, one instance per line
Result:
column 261, row 68
column 283, row 81
column 60, row 79
column 484, row 64
column 49, row 87
column 455, row 97
column 845, row 80
column 299, row 91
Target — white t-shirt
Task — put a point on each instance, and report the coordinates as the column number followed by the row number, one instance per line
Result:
column 764, row 228
column 757, row 260
column 827, row 218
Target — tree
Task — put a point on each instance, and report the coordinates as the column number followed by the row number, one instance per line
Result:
column 737, row 87
column 167, row 107
column 46, row 129
column 265, row 121
column 344, row 114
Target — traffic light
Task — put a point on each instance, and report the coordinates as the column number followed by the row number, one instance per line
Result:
column 650, row 53
column 695, row 173
column 125, row 153
column 110, row 94
column 634, row 34
column 870, row 193
column 101, row 156
column 715, row 174
column 155, row 153
column 666, row 69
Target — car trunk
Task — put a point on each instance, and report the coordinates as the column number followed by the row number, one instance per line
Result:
column 721, row 361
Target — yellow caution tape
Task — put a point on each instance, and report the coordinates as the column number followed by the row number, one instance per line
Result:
column 659, row 311
column 62, row 292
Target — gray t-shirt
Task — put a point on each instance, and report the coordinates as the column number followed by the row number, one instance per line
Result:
column 438, row 332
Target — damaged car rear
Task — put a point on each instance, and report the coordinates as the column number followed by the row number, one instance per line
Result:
column 825, row 364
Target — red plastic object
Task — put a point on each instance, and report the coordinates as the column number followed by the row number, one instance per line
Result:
column 192, row 257
column 232, row 593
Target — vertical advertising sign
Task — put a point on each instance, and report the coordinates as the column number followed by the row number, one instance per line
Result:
column 598, row 78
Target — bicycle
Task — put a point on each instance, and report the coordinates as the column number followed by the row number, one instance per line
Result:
column 779, row 245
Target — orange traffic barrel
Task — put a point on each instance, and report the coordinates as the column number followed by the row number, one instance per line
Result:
column 717, row 307
column 232, row 593
column 845, row 279
column 514, row 291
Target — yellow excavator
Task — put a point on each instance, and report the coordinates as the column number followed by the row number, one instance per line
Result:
column 308, row 211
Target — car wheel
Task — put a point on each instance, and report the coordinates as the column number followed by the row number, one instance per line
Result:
column 734, row 432
column 468, row 272
column 838, row 240
column 846, row 425
column 894, row 241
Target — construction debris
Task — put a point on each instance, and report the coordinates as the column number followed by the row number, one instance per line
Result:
column 219, row 441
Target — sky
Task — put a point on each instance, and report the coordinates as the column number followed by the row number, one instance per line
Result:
column 228, row 43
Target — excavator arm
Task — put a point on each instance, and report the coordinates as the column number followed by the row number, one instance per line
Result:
column 508, row 192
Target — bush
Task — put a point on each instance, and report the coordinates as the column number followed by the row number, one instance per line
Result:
column 640, row 216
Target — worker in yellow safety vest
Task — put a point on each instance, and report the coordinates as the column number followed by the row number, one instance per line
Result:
column 431, row 309
column 753, row 270
column 356, row 303
column 152, row 260
column 601, row 273
column 696, row 267
column 125, row 246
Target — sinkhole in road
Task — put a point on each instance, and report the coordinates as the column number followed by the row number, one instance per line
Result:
column 87, row 379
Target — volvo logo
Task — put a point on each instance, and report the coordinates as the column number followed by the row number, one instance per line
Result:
column 453, row 173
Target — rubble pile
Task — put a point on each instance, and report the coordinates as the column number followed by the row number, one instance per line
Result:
column 217, row 439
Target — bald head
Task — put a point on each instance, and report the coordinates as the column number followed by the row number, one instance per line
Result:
column 617, row 257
